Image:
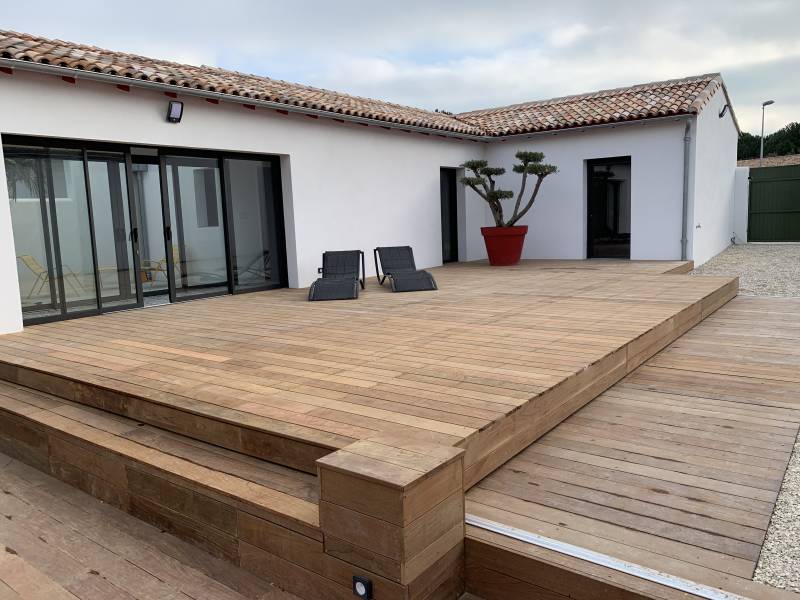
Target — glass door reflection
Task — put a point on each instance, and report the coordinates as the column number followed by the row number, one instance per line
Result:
column 72, row 233
column 154, row 267
column 30, row 203
column 255, row 244
column 115, row 238
column 195, row 227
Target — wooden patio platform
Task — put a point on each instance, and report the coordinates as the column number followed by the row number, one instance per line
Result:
column 488, row 363
column 61, row 544
column 211, row 418
column 676, row 468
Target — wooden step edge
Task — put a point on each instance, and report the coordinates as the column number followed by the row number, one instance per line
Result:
column 103, row 463
column 501, row 441
column 268, row 439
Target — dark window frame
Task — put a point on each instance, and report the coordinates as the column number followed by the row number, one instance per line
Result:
column 86, row 146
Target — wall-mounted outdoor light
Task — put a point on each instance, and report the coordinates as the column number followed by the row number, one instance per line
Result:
column 174, row 111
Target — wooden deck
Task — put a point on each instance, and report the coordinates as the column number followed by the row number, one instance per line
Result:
column 676, row 468
column 488, row 363
column 62, row 544
column 210, row 418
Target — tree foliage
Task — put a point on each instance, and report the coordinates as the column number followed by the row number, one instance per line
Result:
column 780, row 143
column 482, row 179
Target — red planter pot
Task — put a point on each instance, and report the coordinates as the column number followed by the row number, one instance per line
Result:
column 504, row 244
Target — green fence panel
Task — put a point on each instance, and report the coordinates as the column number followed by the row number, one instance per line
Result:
column 774, row 207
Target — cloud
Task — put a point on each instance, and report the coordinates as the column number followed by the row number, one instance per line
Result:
column 566, row 36
column 459, row 55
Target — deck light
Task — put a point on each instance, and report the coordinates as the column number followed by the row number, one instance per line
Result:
column 174, row 111
column 362, row 587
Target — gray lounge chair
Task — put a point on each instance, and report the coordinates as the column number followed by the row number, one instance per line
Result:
column 342, row 273
column 397, row 263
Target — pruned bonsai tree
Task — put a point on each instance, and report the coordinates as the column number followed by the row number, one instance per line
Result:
column 482, row 180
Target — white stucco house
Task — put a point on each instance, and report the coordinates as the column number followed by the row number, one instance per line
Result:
column 133, row 180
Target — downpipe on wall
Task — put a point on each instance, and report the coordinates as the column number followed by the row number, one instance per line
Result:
column 687, row 138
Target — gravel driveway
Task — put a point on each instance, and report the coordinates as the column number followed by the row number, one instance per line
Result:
column 763, row 269
column 771, row 270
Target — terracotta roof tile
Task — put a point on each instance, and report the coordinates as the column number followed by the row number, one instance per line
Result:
column 675, row 97
column 658, row 99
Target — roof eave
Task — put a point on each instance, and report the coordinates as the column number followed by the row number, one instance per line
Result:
column 26, row 65
column 610, row 125
column 708, row 92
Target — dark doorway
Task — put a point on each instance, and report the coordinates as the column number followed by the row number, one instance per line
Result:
column 609, row 208
column 447, row 179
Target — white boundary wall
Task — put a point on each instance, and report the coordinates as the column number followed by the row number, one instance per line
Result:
column 741, row 203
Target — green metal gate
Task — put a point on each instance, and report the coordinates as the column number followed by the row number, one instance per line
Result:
column 774, row 208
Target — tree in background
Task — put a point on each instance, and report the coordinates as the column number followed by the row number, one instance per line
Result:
column 782, row 142
column 749, row 146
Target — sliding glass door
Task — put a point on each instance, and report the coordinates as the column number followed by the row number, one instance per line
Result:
column 255, row 243
column 114, row 237
column 196, row 229
column 47, row 189
column 66, row 185
column 153, row 265
column 101, row 227
column 31, row 204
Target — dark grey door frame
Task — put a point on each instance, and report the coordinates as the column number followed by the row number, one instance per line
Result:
column 50, row 219
column 590, row 164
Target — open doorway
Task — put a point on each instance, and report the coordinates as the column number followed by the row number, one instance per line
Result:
column 609, row 208
column 449, row 200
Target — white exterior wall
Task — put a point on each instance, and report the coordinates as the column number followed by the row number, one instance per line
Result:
column 346, row 186
column 10, row 305
column 557, row 220
column 741, row 203
column 712, row 198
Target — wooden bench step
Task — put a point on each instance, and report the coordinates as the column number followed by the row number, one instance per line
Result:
column 258, row 515
column 213, row 497
column 291, row 445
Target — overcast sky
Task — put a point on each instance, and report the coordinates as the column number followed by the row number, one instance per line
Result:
column 457, row 55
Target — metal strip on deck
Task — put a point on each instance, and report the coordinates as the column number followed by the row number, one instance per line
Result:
column 665, row 579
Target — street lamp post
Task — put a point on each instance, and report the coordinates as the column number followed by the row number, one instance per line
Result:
column 764, row 105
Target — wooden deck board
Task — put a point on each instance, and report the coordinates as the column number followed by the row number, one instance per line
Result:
column 488, row 363
column 61, row 543
column 677, row 467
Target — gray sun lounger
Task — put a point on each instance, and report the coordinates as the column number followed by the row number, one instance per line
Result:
column 397, row 263
column 342, row 274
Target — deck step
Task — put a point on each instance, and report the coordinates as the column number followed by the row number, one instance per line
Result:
column 261, row 516
column 294, row 446
column 255, row 514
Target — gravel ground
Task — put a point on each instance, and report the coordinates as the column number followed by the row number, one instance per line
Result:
column 771, row 270
column 763, row 269
column 779, row 564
